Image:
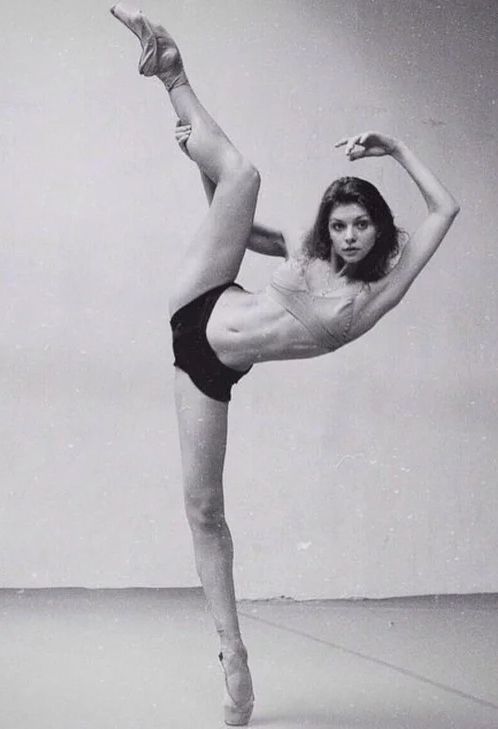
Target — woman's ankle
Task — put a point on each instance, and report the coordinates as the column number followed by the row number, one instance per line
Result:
column 173, row 78
column 170, row 86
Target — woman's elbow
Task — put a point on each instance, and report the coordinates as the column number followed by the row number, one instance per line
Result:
column 451, row 209
column 455, row 209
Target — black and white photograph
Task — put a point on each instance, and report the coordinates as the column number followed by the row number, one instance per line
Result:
column 248, row 364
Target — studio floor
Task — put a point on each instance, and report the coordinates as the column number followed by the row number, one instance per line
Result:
column 146, row 659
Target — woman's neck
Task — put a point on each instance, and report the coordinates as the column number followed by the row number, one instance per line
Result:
column 341, row 268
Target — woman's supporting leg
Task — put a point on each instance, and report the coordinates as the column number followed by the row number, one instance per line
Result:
column 203, row 435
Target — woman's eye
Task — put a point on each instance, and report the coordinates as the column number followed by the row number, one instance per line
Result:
column 337, row 226
column 363, row 224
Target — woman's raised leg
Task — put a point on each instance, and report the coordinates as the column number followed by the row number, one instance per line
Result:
column 216, row 252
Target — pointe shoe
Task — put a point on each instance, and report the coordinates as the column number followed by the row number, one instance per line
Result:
column 237, row 680
column 160, row 55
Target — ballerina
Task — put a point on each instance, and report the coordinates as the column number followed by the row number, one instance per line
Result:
column 332, row 287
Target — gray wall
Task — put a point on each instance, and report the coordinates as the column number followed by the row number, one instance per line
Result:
column 370, row 472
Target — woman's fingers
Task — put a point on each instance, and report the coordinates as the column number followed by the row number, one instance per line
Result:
column 354, row 148
column 366, row 144
column 182, row 141
column 357, row 152
column 182, row 129
column 347, row 141
column 182, row 135
column 352, row 142
column 363, row 140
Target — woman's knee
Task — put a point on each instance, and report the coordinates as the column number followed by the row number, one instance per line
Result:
column 241, row 186
column 241, row 171
column 249, row 175
column 204, row 512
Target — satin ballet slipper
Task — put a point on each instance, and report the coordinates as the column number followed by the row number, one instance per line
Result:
column 160, row 55
column 237, row 681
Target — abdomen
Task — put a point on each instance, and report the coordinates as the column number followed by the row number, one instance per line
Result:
column 246, row 328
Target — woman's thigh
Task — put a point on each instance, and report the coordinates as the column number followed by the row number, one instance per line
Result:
column 214, row 255
column 202, row 425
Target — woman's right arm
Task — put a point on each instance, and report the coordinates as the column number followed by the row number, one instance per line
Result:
column 262, row 239
column 267, row 241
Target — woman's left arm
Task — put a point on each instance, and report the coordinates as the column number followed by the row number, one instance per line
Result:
column 441, row 206
column 442, row 209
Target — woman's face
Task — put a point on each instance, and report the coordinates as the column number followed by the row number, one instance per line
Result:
column 352, row 232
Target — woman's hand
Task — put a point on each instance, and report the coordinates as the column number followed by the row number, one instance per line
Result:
column 368, row 144
column 182, row 134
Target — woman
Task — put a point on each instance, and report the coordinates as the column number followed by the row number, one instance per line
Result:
column 331, row 289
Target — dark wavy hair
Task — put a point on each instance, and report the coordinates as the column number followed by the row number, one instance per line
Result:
column 376, row 263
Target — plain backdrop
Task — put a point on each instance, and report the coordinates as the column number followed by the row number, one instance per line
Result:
column 369, row 472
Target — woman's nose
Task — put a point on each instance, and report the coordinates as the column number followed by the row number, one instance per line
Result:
column 350, row 236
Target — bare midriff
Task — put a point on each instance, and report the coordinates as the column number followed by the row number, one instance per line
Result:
column 245, row 328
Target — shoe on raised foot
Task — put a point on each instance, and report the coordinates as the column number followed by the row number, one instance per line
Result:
column 237, row 679
column 160, row 55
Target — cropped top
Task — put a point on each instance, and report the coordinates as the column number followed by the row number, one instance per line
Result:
column 328, row 316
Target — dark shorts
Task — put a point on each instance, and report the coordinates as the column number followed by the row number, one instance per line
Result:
column 193, row 353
